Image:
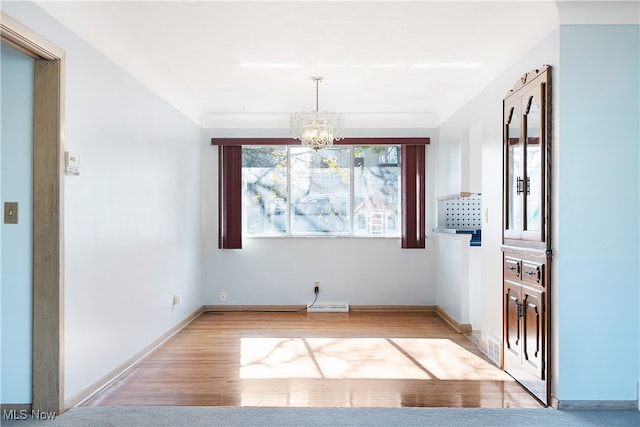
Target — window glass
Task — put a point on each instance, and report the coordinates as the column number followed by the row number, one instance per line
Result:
column 264, row 180
column 340, row 190
column 376, row 207
column 320, row 190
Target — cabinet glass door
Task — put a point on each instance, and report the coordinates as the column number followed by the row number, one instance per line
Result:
column 514, row 179
column 534, row 158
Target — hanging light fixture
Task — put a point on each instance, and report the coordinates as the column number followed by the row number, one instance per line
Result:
column 317, row 129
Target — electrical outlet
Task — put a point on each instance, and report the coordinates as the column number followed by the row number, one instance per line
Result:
column 316, row 287
column 223, row 296
column 177, row 299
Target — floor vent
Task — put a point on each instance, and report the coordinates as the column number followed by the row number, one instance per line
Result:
column 329, row 308
column 493, row 349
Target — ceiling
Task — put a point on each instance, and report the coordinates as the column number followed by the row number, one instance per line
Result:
column 257, row 57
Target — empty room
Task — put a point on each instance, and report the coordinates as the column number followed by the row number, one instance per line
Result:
column 320, row 205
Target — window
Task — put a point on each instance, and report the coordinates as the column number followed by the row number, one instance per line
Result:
column 337, row 191
column 230, row 187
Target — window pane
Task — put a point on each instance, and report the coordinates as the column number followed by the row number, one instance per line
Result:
column 376, row 201
column 264, row 182
column 320, row 190
column 322, row 199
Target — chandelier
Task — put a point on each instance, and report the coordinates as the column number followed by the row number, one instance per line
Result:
column 317, row 129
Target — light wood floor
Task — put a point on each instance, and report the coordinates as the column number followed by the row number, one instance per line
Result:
column 317, row 360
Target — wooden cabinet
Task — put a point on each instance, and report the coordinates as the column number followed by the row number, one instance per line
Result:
column 527, row 232
column 525, row 325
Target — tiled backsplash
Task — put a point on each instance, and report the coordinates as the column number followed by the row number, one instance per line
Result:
column 461, row 213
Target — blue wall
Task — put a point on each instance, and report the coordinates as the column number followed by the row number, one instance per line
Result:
column 599, row 187
column 17, row 186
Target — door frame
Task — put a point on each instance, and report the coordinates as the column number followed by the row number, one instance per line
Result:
column 48, row 220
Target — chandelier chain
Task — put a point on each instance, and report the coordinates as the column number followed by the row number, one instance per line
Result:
column 318, row 80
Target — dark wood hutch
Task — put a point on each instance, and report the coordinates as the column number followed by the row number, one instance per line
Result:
column 527, row 231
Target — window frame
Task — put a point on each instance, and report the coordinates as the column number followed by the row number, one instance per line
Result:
column 413, row 234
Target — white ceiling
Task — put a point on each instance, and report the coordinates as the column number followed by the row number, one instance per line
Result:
column 257, row 57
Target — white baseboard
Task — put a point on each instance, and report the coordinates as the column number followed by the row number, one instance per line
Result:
column 463, row 328
column 352, row 308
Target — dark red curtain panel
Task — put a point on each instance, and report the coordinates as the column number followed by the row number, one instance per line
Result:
column 413, row 196
column 230, row 197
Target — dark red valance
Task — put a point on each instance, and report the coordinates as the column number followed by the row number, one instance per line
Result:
column 346, row 141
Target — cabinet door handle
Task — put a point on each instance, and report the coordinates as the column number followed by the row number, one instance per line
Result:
column 529, row 273
column 519, row 310
column 519, row 185
column 511, row 268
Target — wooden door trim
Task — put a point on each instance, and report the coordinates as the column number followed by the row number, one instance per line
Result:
column 48, row 249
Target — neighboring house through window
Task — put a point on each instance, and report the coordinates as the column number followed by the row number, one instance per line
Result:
column 340, row 191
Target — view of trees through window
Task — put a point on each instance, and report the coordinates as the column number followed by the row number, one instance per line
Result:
column 340, row 190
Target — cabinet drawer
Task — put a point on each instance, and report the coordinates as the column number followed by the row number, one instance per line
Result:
column 532, row 273
column 511, row 267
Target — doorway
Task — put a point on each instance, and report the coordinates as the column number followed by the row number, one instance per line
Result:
column 47, row 384
column 17, row 191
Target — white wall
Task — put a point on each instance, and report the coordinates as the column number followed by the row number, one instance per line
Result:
column 458, row 267
column 132, row 218
column 594, row 297
column 459, row 161
column 452, row 275
column 479, row 122
column 276, row 271
column 16, row 292
column 355, row 271
column 450, row 159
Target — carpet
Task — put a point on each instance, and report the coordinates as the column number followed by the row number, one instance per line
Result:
column 172, row 416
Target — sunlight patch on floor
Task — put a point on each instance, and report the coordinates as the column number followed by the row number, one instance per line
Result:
column 276, row 358
column 446, row 360
column 363, row 358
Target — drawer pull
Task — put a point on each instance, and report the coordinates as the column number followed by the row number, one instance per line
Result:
column 531, row 273
column 511, row 267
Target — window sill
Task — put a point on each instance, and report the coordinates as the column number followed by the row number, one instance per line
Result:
column 316, row 236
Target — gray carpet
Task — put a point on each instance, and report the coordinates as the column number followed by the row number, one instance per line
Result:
column 172, row 416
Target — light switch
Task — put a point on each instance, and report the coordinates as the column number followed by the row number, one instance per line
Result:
column 10, row 212
column 71, row 163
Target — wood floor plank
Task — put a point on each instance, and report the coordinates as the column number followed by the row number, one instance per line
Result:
column 302, row 359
